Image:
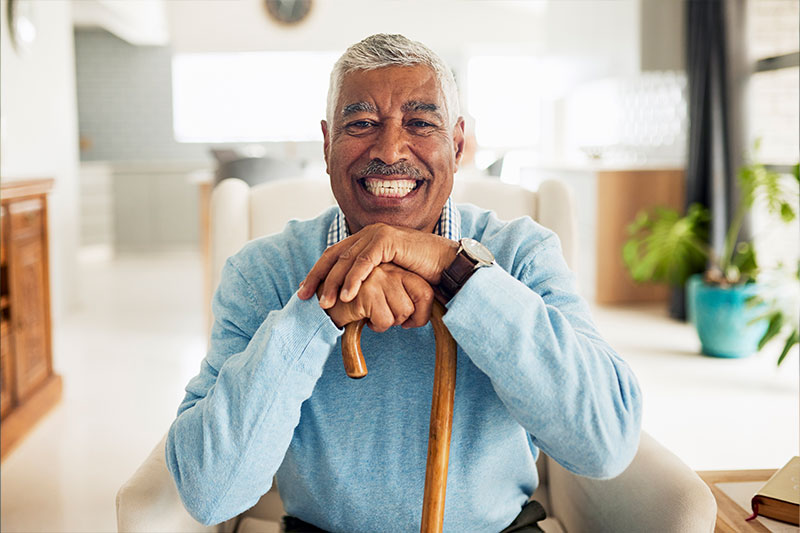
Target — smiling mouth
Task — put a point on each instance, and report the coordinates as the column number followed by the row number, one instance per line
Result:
column 389, row 188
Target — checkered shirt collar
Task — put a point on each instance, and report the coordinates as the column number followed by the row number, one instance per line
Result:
column 449, row 224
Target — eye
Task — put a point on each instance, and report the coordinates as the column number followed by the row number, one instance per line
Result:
column 419, row 123
column 359, row 125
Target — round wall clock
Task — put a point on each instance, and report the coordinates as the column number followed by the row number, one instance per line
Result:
column 22, row 24
column 288, row 12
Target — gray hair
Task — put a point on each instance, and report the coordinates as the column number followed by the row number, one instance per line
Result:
column 384, row 50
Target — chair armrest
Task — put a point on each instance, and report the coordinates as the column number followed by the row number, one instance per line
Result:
column 556, row 210
column 229, row 221
column 657, row 492
column 149, row 500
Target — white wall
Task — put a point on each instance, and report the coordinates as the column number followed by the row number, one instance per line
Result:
column 602, row 35
column 40, row 139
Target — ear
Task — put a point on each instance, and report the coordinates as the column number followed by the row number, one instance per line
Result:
column 326, row 142
column 458, row 140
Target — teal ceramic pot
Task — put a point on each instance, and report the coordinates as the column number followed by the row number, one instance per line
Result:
column 722, row 318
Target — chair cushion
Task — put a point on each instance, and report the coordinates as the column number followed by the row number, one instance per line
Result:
column 551, row 525
column 258, row 525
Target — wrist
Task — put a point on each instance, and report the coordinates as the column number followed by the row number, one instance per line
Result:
column 470, row 256
column 447, row 254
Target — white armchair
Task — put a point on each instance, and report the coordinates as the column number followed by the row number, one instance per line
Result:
column 657, row 492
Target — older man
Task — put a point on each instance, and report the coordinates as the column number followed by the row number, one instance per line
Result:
column 272, row 399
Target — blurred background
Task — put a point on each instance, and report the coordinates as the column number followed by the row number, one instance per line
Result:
column 136, row 108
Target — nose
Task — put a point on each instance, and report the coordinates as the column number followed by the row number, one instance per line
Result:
column 390, row 144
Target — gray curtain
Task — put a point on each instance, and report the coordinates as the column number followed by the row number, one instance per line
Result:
column 716, row 69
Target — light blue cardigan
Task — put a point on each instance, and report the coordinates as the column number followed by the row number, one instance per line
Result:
column 272, row 397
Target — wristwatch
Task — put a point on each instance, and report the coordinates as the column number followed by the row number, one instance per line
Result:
column 471, row 256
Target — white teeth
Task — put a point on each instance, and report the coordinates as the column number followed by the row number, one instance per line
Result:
column 390, row 188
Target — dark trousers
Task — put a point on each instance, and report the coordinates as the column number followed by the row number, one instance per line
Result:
column 525, row 522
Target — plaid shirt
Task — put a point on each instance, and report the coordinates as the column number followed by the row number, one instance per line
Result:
column 449, row 224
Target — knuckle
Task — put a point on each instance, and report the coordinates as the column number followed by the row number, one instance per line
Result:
column 363, row 257
column 384, row 230
column 405, row 313
column 382, row 323
column 426, row 292
column 369, row 291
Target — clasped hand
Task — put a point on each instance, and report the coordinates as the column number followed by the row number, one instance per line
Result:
column 382, row 273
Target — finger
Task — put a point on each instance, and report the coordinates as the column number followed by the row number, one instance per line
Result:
column 321, row 268
column 421, row 295
column 372, row 253
column 380, row 315
column 338, row 271
column 399, row 301
column 342, row 314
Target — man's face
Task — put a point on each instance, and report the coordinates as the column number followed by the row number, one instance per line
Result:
column 390, row 153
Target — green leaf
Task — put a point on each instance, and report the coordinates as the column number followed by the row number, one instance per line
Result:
column 774, row 327
column 793, row 339
column 754, row 301
column 745, row 261
column 666, row 247
column 787, row 212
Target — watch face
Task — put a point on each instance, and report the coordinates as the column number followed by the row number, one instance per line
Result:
column 477, row 251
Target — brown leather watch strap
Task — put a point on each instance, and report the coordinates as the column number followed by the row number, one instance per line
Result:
column 455, row 276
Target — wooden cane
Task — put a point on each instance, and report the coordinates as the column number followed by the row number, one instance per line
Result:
column 444, row 388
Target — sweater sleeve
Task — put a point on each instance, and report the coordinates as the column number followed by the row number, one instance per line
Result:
column 239, row 413
column 533, row 337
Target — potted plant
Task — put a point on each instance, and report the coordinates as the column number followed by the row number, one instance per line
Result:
column 734, row 315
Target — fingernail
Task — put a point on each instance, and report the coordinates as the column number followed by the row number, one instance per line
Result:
column 301, row 284
column 345, row 294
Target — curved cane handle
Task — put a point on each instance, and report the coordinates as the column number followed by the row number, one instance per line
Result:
column 353, row 358
column 441, row 424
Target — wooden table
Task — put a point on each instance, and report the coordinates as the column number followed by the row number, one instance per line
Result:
column 730, row 514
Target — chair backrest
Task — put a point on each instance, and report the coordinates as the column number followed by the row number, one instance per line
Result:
column 240, row 213
column 551, row 205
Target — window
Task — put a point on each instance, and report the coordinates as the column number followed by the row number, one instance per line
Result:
column 250, row 97
column 774, row 90
column 504, row 100
column 774, row 115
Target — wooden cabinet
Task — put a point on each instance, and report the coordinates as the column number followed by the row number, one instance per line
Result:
column 621, row 194
column 6, row 378
column 29, row 388
column 606, row 202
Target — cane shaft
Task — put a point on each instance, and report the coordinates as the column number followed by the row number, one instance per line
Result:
column 441, row 421
column 441, row 425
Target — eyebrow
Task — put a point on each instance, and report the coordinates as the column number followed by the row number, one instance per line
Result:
column 358, row 107
column 416, row 106
column 410, row 106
